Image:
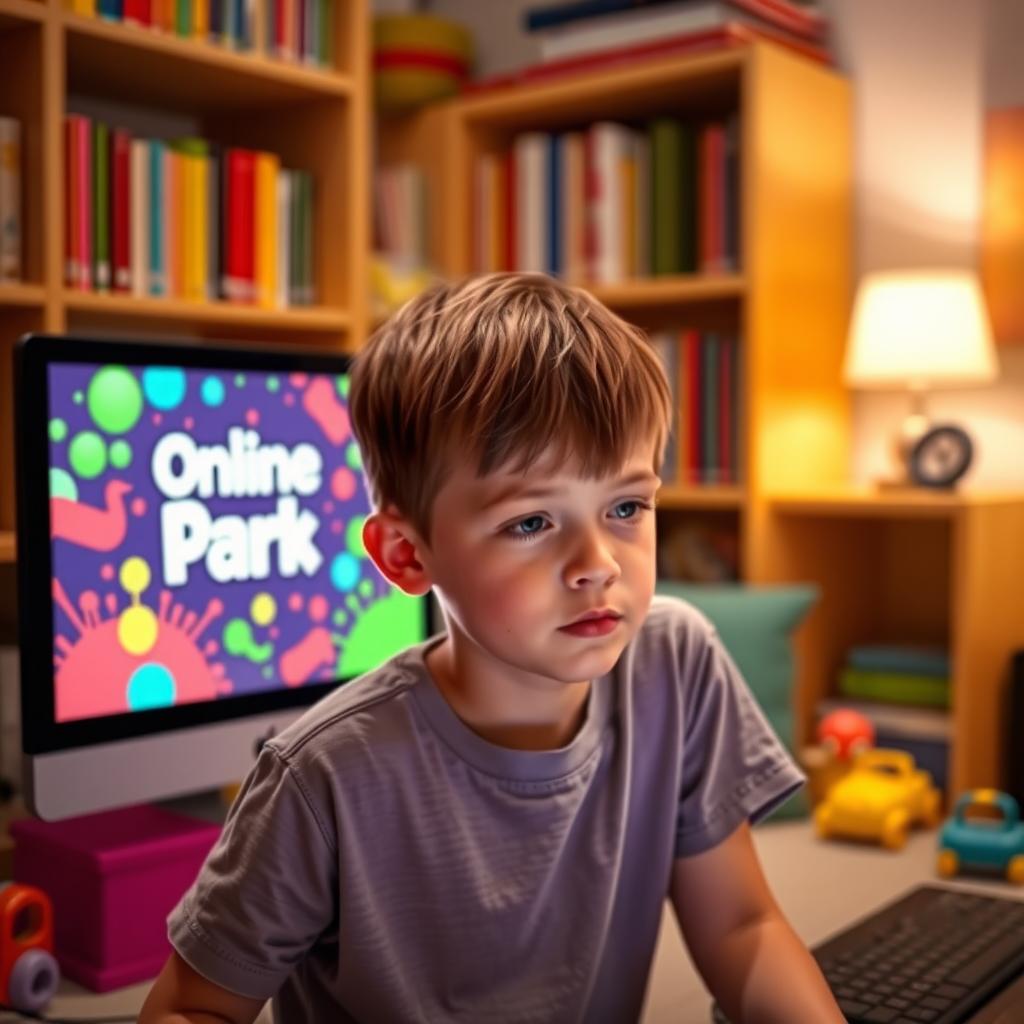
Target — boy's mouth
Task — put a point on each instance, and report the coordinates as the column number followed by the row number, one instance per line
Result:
column 595, row 614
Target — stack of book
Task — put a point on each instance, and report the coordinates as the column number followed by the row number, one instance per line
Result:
column 301, row 31
column 611, row 202
column 904, row 691
column 10, row 200
column 703, row 370
column 186, row 219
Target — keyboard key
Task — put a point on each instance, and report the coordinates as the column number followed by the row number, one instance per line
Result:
column 880, row 1015
column 948, row 991
column 898, row 1003
column 988, row 961
column 851, row 1008
column 922, row 1015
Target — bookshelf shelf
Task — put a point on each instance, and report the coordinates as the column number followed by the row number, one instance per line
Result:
column 705, row 83
column 164, row 70
column 22, row 295
column 902, row 503
column 674, row 496
column 669, row 292
column 14, row 12
column 311, row 318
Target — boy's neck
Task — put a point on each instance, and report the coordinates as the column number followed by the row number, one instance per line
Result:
column 548, row 722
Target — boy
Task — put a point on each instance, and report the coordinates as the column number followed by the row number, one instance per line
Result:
column 486, row 827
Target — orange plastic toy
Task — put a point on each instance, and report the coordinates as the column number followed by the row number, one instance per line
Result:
column 28, row 971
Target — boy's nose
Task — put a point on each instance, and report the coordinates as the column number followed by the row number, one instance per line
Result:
column 592, row 562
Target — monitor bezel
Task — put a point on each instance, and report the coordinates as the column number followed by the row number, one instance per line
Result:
column 33, row 355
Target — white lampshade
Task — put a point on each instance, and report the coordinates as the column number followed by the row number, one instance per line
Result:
column 919, row 328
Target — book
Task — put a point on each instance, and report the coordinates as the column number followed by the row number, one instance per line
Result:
column 531, row 227
column 895, row 687
column 238, row 285
column 284, row 228
column 11, row 268
column 641, row 256
column 609, row 150
column 268, row 166
column 101, row 274
column 629, row 23
column 157, row 277
column 572, row 209
column 71, row 190
column 139, row 188
column 709, row 399
column 694, row 405
column 553, row 199
column 120, row 213
column 711, row 201
column 915, row 659
column 728, row 36
column 726, row 354
column 673, row 192
column 665, row 345
column 85, row 203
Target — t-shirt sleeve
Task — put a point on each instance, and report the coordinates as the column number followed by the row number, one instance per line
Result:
column 735, row 768
column 268, row 889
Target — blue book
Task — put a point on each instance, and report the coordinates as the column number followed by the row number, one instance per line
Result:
column 560, row 14
column 157, row 270
column 554, row 212
column 913, row 660
column 111, row 10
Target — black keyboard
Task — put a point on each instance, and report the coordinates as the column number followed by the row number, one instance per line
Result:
column 933, row 956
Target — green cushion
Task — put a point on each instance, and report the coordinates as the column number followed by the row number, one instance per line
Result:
column 756, row 624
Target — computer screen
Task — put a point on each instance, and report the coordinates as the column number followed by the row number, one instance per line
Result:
column 191, row 566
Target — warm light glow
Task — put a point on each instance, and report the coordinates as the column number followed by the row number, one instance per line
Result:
column 922, row 328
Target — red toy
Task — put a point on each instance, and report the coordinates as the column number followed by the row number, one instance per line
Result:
column 846, row 733
column 28, row 971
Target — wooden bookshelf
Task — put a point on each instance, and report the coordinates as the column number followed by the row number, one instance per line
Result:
column 907, row 566
column 317, row 119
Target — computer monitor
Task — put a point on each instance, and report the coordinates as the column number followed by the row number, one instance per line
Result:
column 190, row 565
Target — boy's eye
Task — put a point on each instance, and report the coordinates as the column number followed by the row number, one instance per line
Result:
column 533, row 526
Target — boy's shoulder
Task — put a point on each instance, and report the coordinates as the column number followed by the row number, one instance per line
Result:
column 373, row 703
column 673, row 617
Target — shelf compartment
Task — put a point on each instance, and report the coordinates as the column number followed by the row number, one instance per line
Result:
column 162, row 70
column 126, row 309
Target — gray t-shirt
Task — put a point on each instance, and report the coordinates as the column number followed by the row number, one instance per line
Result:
column 384, row 863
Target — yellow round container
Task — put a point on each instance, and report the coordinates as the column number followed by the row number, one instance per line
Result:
column 418, row 58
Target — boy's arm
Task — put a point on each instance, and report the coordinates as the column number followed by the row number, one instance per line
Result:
column 181, row 995
column 746, row 951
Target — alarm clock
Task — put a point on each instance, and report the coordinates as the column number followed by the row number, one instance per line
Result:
column 940, row 457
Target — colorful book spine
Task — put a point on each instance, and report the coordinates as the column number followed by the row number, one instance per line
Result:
column 553, row 198
column 120, row 201
column 284, row 246
column 709, row 425
column 694, row 405
column 309, row 293
column 531, row 212
column 11, row 268
column 140, row 190
column 200, row 18
column 109, row 10
column 86, row 8
column 101, row 206
column 157, row 276
column 268, row 167
column 135, row 12
column 214, row 221
column 85, row 204
column 572, row 207
column 666, row 140
column 668, row 351
column 172, row 212
column 183, row 17
column 510, row 215
column 239, row 285
column 726, row 354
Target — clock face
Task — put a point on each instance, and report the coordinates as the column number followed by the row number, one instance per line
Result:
column 941, row 456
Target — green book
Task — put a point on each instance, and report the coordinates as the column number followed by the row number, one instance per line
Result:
column 183, row 17
column 325, row 44
column 100, row 206
column 894, row 687
column 710, row 366
column 666, row 144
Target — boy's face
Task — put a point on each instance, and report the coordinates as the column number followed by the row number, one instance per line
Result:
column 515, row 560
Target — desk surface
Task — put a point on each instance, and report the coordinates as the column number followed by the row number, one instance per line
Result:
column 821, row 886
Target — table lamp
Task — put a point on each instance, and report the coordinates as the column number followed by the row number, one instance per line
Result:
column 920, row 329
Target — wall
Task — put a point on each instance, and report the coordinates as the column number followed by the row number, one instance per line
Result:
column 923, row 70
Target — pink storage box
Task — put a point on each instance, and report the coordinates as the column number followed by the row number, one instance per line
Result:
column 113, row 878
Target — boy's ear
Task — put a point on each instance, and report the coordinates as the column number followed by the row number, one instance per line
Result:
column 392, row 544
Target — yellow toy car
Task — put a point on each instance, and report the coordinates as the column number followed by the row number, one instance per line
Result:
column 880, row 799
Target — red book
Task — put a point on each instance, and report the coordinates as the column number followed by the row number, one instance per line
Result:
column 729, row 35
column 510, row 209
column 726, row 356
column 280, row 30
column 120, row 207
column 694, row 377
column 134, row 12
column 711, row 197
column 85, row 202
column 241, row 263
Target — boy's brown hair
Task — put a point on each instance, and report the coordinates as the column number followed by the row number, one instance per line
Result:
column 493, row 370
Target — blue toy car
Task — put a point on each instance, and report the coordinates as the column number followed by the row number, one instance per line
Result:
column 988, row 843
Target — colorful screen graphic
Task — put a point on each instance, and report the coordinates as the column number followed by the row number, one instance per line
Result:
column 206, row 537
